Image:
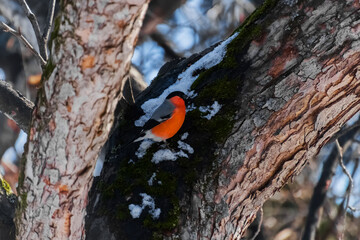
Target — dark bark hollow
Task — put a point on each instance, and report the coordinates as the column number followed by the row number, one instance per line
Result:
column 288, row 82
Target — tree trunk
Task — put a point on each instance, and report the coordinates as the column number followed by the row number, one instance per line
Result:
column 91, row 53
column 288, row 81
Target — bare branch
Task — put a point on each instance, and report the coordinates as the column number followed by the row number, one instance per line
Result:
column 34, row 22
column 348, row 191
column 161, row 41
column 49, row 23
column 7, row 28
column 354, row 209
column 259, row 225
column 15, row 106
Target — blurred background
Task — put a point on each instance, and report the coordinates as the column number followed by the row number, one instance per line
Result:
column 317, row 198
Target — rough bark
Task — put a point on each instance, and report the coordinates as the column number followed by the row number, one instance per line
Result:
column 288, row 82
column 73, row 115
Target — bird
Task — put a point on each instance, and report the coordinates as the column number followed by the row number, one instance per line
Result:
column 166, row 120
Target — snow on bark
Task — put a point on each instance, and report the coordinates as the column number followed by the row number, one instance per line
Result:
column 73, row 116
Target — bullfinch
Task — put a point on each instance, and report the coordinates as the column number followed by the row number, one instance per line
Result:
column 167, row 119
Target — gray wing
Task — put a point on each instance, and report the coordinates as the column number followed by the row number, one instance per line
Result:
column 164, row 111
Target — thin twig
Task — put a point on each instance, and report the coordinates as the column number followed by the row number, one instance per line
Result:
column 49, row 23
column 319, row 196
column 34, row 22
column 348, row 192
column 353, row 209
column 7, row 28
column 322, row 187
column 259, row 225
column 131, row 89
column 345, row 130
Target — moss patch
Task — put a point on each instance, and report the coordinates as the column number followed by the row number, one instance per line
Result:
column 48, row 69
column 132, row 179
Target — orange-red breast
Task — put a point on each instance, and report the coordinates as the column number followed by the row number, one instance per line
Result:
column 167, row 119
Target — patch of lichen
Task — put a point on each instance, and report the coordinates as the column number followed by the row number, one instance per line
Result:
column 6, row 187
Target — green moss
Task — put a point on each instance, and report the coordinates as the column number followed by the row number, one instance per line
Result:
column 122, row 212
column 223, row 89
column 54, row 34
column 171, row 222
column 240, row 42
column 248, row 31
column 23, row 203
column 48, row 69
column 267, row 6
column 132, row 179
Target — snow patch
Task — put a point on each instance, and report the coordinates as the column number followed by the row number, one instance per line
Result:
column 190, row 108
column 135, row 210
column 185, row 80
column 147, row 201
column 184, row 136
column 144, row 146
column 151, row 180
column 2, row 75
column 290, row 2
column 164, row 155
column 169, row 155
column 184, row 146
column 212, row 110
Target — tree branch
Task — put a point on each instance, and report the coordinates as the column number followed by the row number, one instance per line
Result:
column 34, row 22
column 348, row 190
column 272, row 120
column 321, row 188
column 15, row 106
column 161, row 41
column 7, row 28
column 47, row 29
